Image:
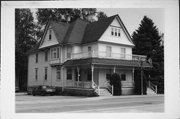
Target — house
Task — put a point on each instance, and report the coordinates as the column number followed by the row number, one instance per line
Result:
column 80, row 56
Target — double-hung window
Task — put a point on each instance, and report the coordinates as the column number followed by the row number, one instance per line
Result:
column 46, row 56
column 50, row 34
column 69, row 74
column 69, row 51
column 46, row 73
column 123, row 53
column 55, row 53
column 36, row 57
column 112, row 31
column 58, row 73
column 108, row 51
column 36, row 74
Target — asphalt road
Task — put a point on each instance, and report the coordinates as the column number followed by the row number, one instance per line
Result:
column 72, row 104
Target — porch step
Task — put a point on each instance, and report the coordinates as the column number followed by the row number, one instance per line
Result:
column 104, row 92
column 150, row 91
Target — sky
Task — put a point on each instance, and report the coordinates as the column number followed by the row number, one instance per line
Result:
column 132, row 17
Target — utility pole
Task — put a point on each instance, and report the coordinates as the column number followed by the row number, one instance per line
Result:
column 141, row 79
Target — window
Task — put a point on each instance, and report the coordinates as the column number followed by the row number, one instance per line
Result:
column 108, row 76
column 58, row 73
column 69, row 51
column 123, row 52
column 55, row 53
column 36, row 74
column 50, row 34
column 46, row 55
column 119, row 34
column 45, row 76
column 108, row 51
column 69, row 74
column 115, row 31
column 89, row 75
column 112, row 31
column 123, row 77
column 89, row 51
column 36, row 57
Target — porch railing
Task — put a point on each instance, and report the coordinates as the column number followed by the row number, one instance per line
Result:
column 110, row 88
column 152, row 87
column 78, row 84
column 83, row 55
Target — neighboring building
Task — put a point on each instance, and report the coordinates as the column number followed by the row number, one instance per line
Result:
column 82, row 55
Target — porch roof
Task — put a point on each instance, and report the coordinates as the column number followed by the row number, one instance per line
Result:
column 107, row 62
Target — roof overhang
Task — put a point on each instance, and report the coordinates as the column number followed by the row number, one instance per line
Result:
column 107, row 62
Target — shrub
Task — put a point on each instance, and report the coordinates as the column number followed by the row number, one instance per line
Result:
column 115, row 80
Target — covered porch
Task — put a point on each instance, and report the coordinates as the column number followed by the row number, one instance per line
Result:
column 94, row 73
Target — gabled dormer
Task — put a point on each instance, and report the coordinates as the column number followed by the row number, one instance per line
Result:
column 54, row 34
column 49, row 38
column 116, row 33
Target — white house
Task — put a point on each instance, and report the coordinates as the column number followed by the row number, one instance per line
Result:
column 81, row 56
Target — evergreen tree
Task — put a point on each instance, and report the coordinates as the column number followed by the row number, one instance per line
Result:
column 147, row 42
column 24, row 40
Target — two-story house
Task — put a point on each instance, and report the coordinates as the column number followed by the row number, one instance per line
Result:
column 81, row 56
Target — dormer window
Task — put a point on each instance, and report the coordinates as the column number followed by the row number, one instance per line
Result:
column 115, row 31
column 112, row 31
column 119, row 33
column 50, row 34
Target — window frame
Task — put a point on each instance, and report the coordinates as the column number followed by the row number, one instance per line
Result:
column 69, row 51
column 36, row 57
column 36, row 74
column 69, row 74
column 108, row 53
column 50, row 34
column 55, row 53
column 123, row 54
column 46, row 56
column 45, row 73
column 58, row 73
column 123, row 75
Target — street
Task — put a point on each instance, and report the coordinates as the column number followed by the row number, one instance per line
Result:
column 72, row 104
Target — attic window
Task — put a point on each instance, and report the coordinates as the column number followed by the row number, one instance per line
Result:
column 112, row 31
column 50, row 34
column 115, row 31
column 119, row 33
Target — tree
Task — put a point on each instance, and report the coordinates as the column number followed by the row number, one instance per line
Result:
column 24, row 40
column 147, row 42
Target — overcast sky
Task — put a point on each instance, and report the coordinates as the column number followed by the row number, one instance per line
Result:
column 132, row 17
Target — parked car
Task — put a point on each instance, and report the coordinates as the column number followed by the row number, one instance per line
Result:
column 43, row 90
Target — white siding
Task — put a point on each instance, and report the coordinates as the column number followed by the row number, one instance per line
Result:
column 107, row 37
column 48, row 42
column 51, row 79
column 116, row 49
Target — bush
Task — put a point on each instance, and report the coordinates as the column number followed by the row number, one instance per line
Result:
column 115, row 80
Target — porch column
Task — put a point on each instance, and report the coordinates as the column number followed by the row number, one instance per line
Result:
column 133, row 75
column 114, row 69
column 92, row 72
column 78, row 75
column 62, row 77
